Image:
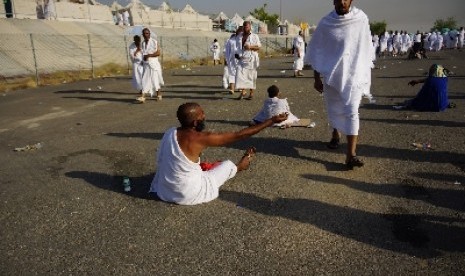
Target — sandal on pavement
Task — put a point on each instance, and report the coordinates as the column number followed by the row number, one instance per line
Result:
column 354, row 161
column 334, row 143
column 249, row 98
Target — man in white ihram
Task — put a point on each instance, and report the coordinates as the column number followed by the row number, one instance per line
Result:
column 299, row 53
column 340, row 51
column 180, row 178
column 152, row 79
column 248, row 45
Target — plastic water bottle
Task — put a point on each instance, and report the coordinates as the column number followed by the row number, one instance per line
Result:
column 126, row 184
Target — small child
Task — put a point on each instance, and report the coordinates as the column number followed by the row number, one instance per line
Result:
column 274, row 106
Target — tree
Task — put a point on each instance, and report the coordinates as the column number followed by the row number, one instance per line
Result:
column 449, row 23
column 378, row 27
column 272, row 20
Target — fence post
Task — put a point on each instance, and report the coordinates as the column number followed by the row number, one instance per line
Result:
column 90, row 54
column 127, row 54
column 35, row 59
column 266, row 46
column 161, row 50
column 187, row 45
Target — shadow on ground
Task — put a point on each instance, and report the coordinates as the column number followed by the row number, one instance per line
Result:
column 423, row 236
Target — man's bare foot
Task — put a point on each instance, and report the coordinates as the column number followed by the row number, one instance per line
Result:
column 244, row 163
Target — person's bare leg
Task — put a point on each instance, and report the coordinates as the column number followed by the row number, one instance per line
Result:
column 351, row 159
column 351, row 146
column 231, row 85
column 242, row 94
column 251, row 93
column 336, row 134
column 335, row 138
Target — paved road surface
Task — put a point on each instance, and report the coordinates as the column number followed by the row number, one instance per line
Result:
column 296, row 211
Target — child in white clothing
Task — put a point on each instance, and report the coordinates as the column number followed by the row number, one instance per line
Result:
column 275, row 105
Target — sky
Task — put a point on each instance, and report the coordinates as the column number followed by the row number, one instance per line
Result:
column 411, row 15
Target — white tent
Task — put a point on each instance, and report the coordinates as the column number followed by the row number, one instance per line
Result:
column 115, row 6
column 237, row 20
column 221, row 17
column 252, row 19
column 137, row 5
column 165, row 7
column 188, row 9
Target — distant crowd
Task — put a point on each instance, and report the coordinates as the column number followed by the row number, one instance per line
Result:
column 416, row 45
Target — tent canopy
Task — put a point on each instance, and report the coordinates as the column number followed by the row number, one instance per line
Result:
column 188, row 9
column 115, row 6
column 221, row 17
column 164, row 7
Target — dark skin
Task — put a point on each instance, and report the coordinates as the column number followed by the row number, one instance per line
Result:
column 146, row 35
column 414, row 82
column 193, row 142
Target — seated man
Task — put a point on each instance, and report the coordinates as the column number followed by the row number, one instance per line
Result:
column 179, row 177
column 433, row 94
column 275, row 105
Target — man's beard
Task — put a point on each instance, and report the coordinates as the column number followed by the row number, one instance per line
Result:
column 200, row 126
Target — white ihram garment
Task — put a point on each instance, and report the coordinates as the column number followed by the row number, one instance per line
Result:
column 340, row 51
column 215, row 49
column 229, row 51
column 299, row 48
column 182, row 181
column 152, row 79
column 246, row 74
column 137, row 67
column 275, row 106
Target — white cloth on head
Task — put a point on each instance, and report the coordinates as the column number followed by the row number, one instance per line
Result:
column 182, row 181
column 340, row 50
column 152, row 79
column 137, row 66
column 299, row 53
column 274, row 106
column 342, row 116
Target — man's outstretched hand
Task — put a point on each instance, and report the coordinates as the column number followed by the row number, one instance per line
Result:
column 279, row 118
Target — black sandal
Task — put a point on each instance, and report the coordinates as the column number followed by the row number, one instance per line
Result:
column 354, row 161
column 334, row 143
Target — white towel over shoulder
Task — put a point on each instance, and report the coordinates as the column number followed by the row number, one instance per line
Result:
column 340, row 49
column 182, row 181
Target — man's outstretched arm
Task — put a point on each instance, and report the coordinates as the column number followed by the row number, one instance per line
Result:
column 221, row 139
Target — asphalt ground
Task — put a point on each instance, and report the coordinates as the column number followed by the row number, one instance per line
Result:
column 296, row 211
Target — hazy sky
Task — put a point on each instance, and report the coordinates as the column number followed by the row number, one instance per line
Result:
column 399, row 14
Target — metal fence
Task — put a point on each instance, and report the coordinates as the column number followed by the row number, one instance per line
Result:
column 37, row 55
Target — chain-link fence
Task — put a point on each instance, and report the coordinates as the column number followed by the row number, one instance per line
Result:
column 40, row 58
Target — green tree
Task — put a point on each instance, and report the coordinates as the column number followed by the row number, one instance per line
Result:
column 271, row 20
column 450, row 23
column 378, row 27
